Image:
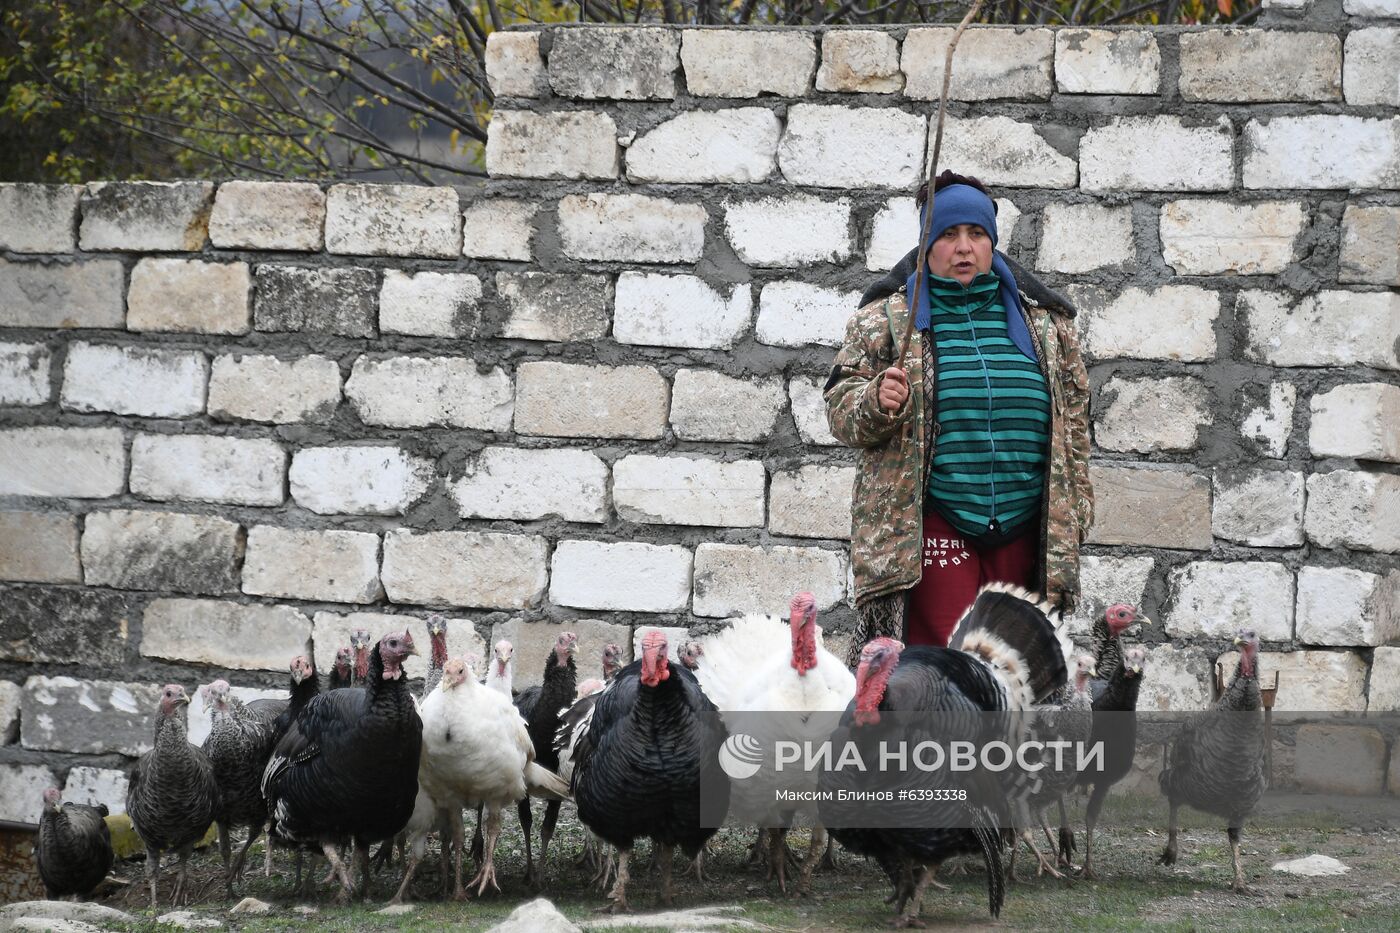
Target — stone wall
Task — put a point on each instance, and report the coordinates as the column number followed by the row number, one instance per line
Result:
column 243, row 418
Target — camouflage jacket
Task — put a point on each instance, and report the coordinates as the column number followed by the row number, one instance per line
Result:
column 896, row 448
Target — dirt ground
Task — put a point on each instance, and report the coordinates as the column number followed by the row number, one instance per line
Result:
column 1134, row 893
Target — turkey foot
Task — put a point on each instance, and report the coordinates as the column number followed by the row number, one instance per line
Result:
column 409, row 869
column 340, row 872
column 487, row 874
column 619, row 890
column 809, row 864
column 1169, row 853
column 909, row 917
column 777, row 858
column 668, row 896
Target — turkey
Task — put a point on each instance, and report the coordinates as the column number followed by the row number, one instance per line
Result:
column 612, row 661
column 1072, row 722
column 1107, row 643
column 340, row 671
column 347, row 769
column 689, row 654
column 476, row 750
column 1116, row 727
column 74, row 849
column 359, row 645
column 1004, row 655
column 761, row 664
column 302, row 687
column 501, row 671
column 1215, row 762
column 171, row 795
column 541, row 714
column 639, row 765
column 238, row 746
column 437, row 654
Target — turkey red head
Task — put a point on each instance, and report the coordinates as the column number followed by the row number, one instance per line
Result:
column 1134, row 661
column 393, row 649
column 502, row 653
column 655, row 667
column 302, row 668
column 455, row 672
column 1247, row 640
column 1120, row 616
column 878, row 660
column 172, row 699
column 53, row 799
column 342, row 662
column 612, row 660
column 802, row 620
column 690, row 654
column 1083, row 670
column 564, row 647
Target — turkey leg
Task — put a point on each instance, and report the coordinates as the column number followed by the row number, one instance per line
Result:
column 1043, row 865
column 487, row 874
column 1239, row 887
column 362, row 857
column 1066, row 836
column 527, row 820
column 809, row 864
column 153, row 871
column 226, row 852
column 339, row 871
column 777, row 858
column 253, row 833
column 668, row 896
column 181, row 895
column 551, row 817
column 1169, row 853
column 909, row 916
column 619, row 890
column 1091, row 817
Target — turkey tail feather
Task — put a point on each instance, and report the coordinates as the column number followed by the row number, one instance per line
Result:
column 989, row 837
column 545, row 784
column 1009, row 627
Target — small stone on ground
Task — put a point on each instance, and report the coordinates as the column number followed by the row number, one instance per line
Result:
column 1314, row 866
column 188, row 920
column 538, row 916
column 250, row 905
column 395, row 910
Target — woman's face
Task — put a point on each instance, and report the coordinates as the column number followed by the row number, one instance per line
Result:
column 962, row 252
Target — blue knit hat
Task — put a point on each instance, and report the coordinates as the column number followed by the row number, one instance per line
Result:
column 964, row 204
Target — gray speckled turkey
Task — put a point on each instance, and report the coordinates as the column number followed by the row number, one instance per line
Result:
column 238, row 745
column 74, row 850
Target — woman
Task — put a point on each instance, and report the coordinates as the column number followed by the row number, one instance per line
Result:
column 975, row 447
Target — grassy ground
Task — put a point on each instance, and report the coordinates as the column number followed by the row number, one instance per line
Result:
column 1135, row 893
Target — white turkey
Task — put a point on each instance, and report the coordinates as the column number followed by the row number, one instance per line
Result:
column 501, row 672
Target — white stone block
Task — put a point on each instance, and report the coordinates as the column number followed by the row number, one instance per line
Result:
column 1348, row 508
column 499, row 228
column 1370, row 245
column 1215, row 599
column 1254, row 65
column 280, row 215
column 1152, row 414
column 707, row 146
column 332, row 630
column 1387, row 8
column 145, row 216
column 22, row 791
column 731, row 579
column 1158, row 506
column 689, row 491
column 859, row 61
column 415, row 392
column 1085, row 237
column 242, row 471
column 679, row 311
column 1270, row 424
column 563, row 144
column 1105, row 581
column 626, row 62
column 358, row 480
column 24, row 374
column 430, row 304
column 11, row 696
column 264, row 388
column 795, row 230
column 331, row 566
column 809, row 411
column 710, row 406
column 631, row 228
column 1342, row 606
column 38, row 218
column 1372, row 73
column 1107, row 61
column 1259, row 508
column 624, row 576
column 796, row 314
column 1162, row 153
column 821, row 147
column 1179, row 680
column 1328, row 328
column 62, row 463
column 393, row 220
column 1361, row 420
column 812, row 502
column 513, row 64
column 989, row 64
column 237, row 636
column 1385, row 682
column 1301, row 152
column 38, row 547
column 557, row 308
column 571, row 400
column 66, row 295
column 189, row 295
column 1170, row 322
column 163, row 551
column 524, row 485
column 464, row 568
column 134, row 381
column 1215, row 237
column 93, row 786
column 725, row 62
column 1001, row 151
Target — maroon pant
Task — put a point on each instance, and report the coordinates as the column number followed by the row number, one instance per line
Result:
column 955, row 569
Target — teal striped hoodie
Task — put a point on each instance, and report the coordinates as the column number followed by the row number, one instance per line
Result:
column 988, row 466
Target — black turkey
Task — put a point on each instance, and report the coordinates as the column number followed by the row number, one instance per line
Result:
column 74, row 849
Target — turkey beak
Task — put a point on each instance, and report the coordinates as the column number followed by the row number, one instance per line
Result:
column 1237, row 641
column 408, row 640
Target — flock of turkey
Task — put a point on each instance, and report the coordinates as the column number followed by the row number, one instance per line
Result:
column 338, row 771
